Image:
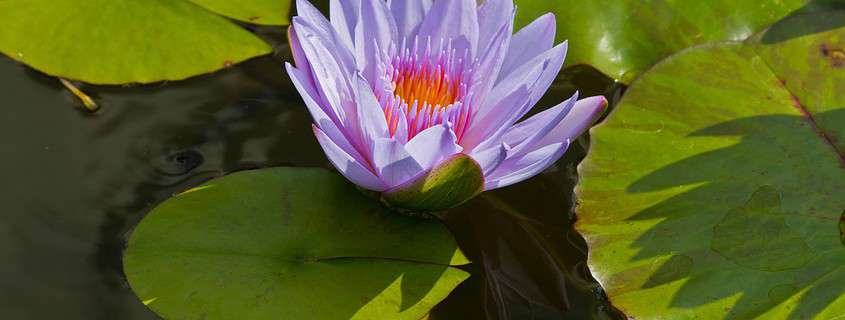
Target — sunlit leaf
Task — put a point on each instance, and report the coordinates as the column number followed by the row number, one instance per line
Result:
column 126, row 41
column 623, row 38
column 288, row 243
column 269, row 12
column 716, row 187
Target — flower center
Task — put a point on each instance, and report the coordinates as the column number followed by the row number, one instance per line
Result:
column 426, row 84
column 423, row 88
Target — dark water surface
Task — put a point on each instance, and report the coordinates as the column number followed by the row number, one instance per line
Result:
column 75, row 183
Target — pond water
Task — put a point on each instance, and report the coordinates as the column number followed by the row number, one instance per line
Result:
column 75, row 183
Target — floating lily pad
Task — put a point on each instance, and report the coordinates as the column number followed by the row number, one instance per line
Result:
column 623, row 38
column 125, row 41
column 288, row 243
column 716, row 187
column 267, row 12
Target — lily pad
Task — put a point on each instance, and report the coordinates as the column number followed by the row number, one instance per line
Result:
column 266, row 12
column 623, row 38
column 124, row 41
column 288, row 242
column 715, row 188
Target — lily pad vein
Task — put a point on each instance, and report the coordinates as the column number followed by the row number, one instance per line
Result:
column 797, row 104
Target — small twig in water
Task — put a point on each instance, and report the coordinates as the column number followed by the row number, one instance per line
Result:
column 86, row 100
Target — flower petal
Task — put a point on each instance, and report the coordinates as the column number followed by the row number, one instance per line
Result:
column 409, row 15
column 372, row 124
column 374, row 34
column 433, row 145
column 490, row 61
column 583, row 115
column 537, row 127
column 401, row 132
column 309, row 96
column 322, row 119
column 492, row 15
column 347, row 165
column 299, row 57
column 393, row 163
column 490, row 158
column 344, row 18
column 451, row 19
column 525, row 166
column 529, row 42
column 490, row 126
column 538, row 74
column 329, row 71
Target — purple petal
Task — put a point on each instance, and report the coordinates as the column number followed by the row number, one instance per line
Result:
column 525, row 166
column 433, row 145
column 529, row 42
column 527, row 133
column 401, row 132
column 330, row 72
column 393, row 163
column 299, row 56
column 490, row 158
column 310, row 96
column 374, row 33
column 490, row 61
column 409, row 15
column 452, row 19
column 492, row 15
column 347, row 165
column 322, row 120
column 538, row 74
column 490, row 126
column 320, row 27
column 306, row 11
column 372, row 124
column 583, row 115
column 344, row 16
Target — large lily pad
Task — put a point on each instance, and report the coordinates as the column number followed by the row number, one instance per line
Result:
column 288, row 243
column 623, row 38
column 267, row 12
column 124, row 41
column 716, row 187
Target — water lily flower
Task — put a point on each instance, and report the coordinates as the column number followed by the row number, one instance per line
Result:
column 421, row 100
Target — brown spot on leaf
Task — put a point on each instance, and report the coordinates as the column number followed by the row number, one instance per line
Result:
column 253, row 18
column 228, row 63
column 835, row 55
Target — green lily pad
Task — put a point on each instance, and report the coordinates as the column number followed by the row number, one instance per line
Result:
column 289, row 243
column 623, row 38
column 716, row 187
column 266, row 12
column 123, row 41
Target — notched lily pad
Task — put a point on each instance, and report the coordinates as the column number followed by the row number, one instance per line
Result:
column 292, row 243
column 716, row 188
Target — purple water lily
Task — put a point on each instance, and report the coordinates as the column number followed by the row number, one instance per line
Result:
column 399, row 89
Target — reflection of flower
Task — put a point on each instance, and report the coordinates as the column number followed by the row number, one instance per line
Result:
column 399, row 89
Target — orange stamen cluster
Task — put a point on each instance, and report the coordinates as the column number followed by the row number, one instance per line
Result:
column 428, row 87
column 420, row 89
